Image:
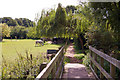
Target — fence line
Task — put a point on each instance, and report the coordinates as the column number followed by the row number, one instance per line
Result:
column 94, row 53
column 54, row 67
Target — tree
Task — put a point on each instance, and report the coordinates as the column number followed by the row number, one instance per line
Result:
column 107, row 15
column 19, row 21
column 77, row 24
column 19, row 32
column 45, row 23
column 69, row 8
column 60, row 21
column 9, row 21
column 5, row 30
column 51, row 23
column 31, row 32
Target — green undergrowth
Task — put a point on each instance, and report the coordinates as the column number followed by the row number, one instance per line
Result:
column 66, row 60
column 23, row 67
column 86, row 60
column 79, row 56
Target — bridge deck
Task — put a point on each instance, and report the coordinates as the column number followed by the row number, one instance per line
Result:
column 74, row 70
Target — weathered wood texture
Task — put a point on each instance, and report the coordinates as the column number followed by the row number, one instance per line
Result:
column 110, row 59
column 54, row 67
column 113, row 63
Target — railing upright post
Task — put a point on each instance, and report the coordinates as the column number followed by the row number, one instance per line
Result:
column 102, row 65
column 95, row 58
column 90, row 60
column 112, row 69
column 62, row 58
column 53, row 72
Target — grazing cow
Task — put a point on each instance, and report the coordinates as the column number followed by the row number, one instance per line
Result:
column 39, row 43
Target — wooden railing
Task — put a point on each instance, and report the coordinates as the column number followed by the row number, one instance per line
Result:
column 94, row 65
column 54, row 68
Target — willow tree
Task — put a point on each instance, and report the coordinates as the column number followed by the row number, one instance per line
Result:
column 45, row 23
column 77, row 24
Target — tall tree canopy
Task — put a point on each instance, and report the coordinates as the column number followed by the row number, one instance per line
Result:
column 107, row 16
column 51, row 23
column 60, row 21
column 70, row 7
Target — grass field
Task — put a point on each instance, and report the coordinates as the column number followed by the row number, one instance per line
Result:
column 10, row 48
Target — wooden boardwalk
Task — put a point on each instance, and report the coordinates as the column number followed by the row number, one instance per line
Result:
column 74, row 70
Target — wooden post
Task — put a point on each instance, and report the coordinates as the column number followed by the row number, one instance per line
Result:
column 95, row 58
column 91, row 56
column 102, row 65
column 112, row 69
column 63, row 59
column 53, row 72
column 58, row 67
column 43, row 65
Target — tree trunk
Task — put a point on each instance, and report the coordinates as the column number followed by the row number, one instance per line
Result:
column 81, row 42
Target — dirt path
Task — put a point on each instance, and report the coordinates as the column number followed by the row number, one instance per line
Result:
column 74, row 70
column 70, row 54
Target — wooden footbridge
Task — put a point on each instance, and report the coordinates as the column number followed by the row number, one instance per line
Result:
column 55, row 68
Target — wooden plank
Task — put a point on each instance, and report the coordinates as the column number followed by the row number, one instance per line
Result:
column 110, row 59
column 94, row 72
column 101, row 69
column 46, row 71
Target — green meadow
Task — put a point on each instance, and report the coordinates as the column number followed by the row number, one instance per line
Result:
column 11, row 48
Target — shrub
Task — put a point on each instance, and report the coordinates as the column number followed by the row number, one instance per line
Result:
column 66, row 60
column 23, row 67
column 100, row 39
column 86, row 60
column 79, row 56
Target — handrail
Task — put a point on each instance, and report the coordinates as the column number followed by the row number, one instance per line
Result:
column 93, row 59
column 110, row 59
column 55, row 66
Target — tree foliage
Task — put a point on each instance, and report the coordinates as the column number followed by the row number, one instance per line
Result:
column 45, row 23
column 5, row 30
column 31, row 32
column 51, row 23
column 60, row 21
column 70, row 8
column 17, row 21
column 9, row 21
column 19, row 32
column 107, row 16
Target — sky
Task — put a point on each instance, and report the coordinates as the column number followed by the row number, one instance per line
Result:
column 29, row 8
